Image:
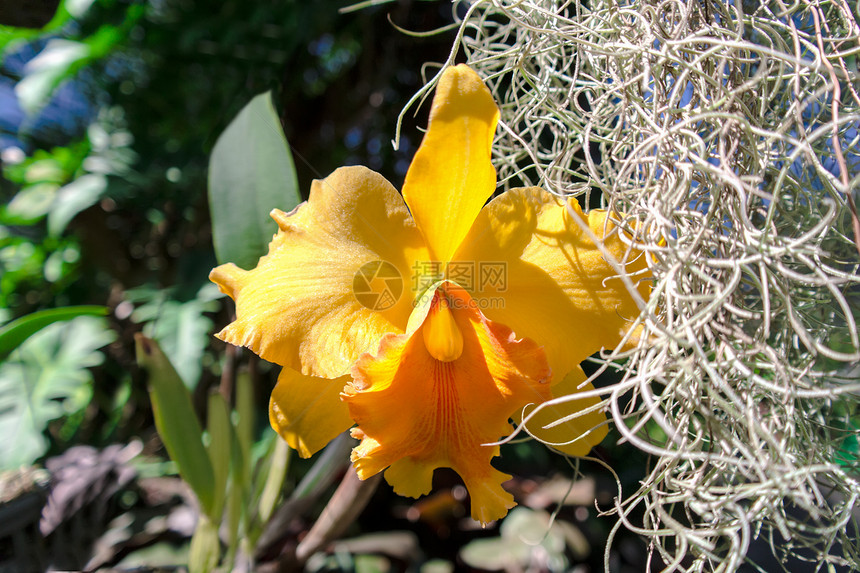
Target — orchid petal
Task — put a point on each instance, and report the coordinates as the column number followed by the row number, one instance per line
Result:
column 298, row 307
column 559, row 290
column 307, row 411
column 451, row 176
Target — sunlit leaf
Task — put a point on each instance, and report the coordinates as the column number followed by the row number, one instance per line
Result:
column 205, row 547
column 493, row 554
column 10, row 36
column 77, row 8
column 31, row 203
column 73, row 198
column 56, row 62
column 277, row 472
column 527, row 535
column 251, row 172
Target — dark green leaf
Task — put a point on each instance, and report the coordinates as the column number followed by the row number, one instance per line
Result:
column 251, row 172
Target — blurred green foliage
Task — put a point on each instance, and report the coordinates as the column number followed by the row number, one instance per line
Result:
column 47, row 378
column 236, row 484
column 116, row 213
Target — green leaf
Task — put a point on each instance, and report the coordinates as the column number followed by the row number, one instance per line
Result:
column 277, row 472
column 494, row 554
column 31, row 204
column 205, row 547
column 372, row 564
column 180, row 327
column 251, row 172
column 46, row 378
column 73, row 198
column 437, row 566
column 67, row 10
column 245, row 423
column 59, row 60
column 77, row 8
column 237, row 498
column 220, row 442
column 16, row 332
column 177, row 422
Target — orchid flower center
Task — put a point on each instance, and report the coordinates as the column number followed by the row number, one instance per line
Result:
column 442, row 336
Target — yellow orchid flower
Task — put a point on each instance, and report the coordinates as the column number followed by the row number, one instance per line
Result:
column 432, row 376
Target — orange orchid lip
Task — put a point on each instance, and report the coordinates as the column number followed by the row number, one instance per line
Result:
column 416, row 411
column 432, row 376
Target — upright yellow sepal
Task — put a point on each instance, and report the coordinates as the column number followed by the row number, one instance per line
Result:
column 451, row 176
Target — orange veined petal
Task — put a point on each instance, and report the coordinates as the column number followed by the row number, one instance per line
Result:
column 558, row 289
column 451, row 176
column 304, row 306
column 416, row 413
column 307, row 411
